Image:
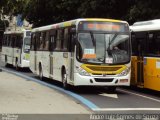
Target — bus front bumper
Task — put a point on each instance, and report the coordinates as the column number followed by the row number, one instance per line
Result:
column 80, row 80
column 25, row 64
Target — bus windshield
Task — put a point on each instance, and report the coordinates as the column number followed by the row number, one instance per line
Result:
column 27, row 42
column 109, row 48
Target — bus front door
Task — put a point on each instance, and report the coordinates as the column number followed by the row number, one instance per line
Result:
column 140, row 67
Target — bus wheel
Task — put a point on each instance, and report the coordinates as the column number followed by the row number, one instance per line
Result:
column 6, row 64
column 40, row 72
column 64, row 80
column 16, row 65
column 111, row 88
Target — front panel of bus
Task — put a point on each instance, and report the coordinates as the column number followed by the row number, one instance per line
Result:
column 26, row 49
column 102, row 54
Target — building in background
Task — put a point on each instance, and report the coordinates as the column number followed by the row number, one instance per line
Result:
column 16, row 23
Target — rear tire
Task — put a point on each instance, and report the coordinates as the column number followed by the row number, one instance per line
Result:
column 5, row 63
column 40, row 73
column 16, row 65
column 64, row 80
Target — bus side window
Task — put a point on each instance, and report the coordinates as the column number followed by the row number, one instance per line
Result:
column 141, row 41
column 72, row 40
column 66, row 39
column 18, row 41
column 52, row 39
column 46, row 41
column 31, row 42
column 33, row 37
column 38, row 40
column 4, row 40
column 14, row 41
column 8, row 40
column 59, row 39
column 41, row 40
column 43, row 35
column 62, row 39
column 134, row 44
column 154, row 40
column 157, row 43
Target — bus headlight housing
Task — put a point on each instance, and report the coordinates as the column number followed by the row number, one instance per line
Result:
column 81, row 71
column 125, row 72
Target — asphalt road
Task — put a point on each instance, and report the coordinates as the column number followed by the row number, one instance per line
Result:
column 125, row 100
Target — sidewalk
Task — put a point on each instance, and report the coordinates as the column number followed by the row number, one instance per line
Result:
column 18, row 95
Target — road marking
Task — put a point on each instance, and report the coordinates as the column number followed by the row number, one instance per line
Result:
column 83, row 100
column 125, row 109
column 157, row 100
column 109, row 95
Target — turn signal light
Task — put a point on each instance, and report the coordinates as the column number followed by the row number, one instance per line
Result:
column 123, row 80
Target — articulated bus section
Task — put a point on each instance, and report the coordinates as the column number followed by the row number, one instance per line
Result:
column 146, row 73
column 146, row 54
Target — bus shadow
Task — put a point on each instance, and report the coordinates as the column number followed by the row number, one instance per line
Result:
column 98, row 90
column 80, row 89
column 143, row 91
column 24, row 70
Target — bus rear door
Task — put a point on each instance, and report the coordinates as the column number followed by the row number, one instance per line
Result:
column 140, row 38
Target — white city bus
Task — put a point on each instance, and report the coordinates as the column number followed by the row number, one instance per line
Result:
column 81, row 52
column 16, row 48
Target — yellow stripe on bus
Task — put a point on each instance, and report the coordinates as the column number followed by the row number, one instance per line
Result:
column 103, row 20
column 66, row 24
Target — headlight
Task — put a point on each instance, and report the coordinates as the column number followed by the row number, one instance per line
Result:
column 81, row 71
column 125, row 72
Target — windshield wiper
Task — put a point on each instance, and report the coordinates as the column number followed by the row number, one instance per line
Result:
column 114, row 37
column 109, row 47
column 93, row 39
column 110, row 42
column 100, row 59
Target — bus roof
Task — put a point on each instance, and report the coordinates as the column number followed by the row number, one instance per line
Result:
column 73, row 22
column 16, row 32
column 146, row 25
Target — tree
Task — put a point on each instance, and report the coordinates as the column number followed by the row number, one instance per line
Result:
column 105, row 8
column 43, row 12
column 143, row 10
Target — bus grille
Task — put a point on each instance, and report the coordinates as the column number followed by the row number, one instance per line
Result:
column 106, row 70
column 103, row 80
column 103, row 68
